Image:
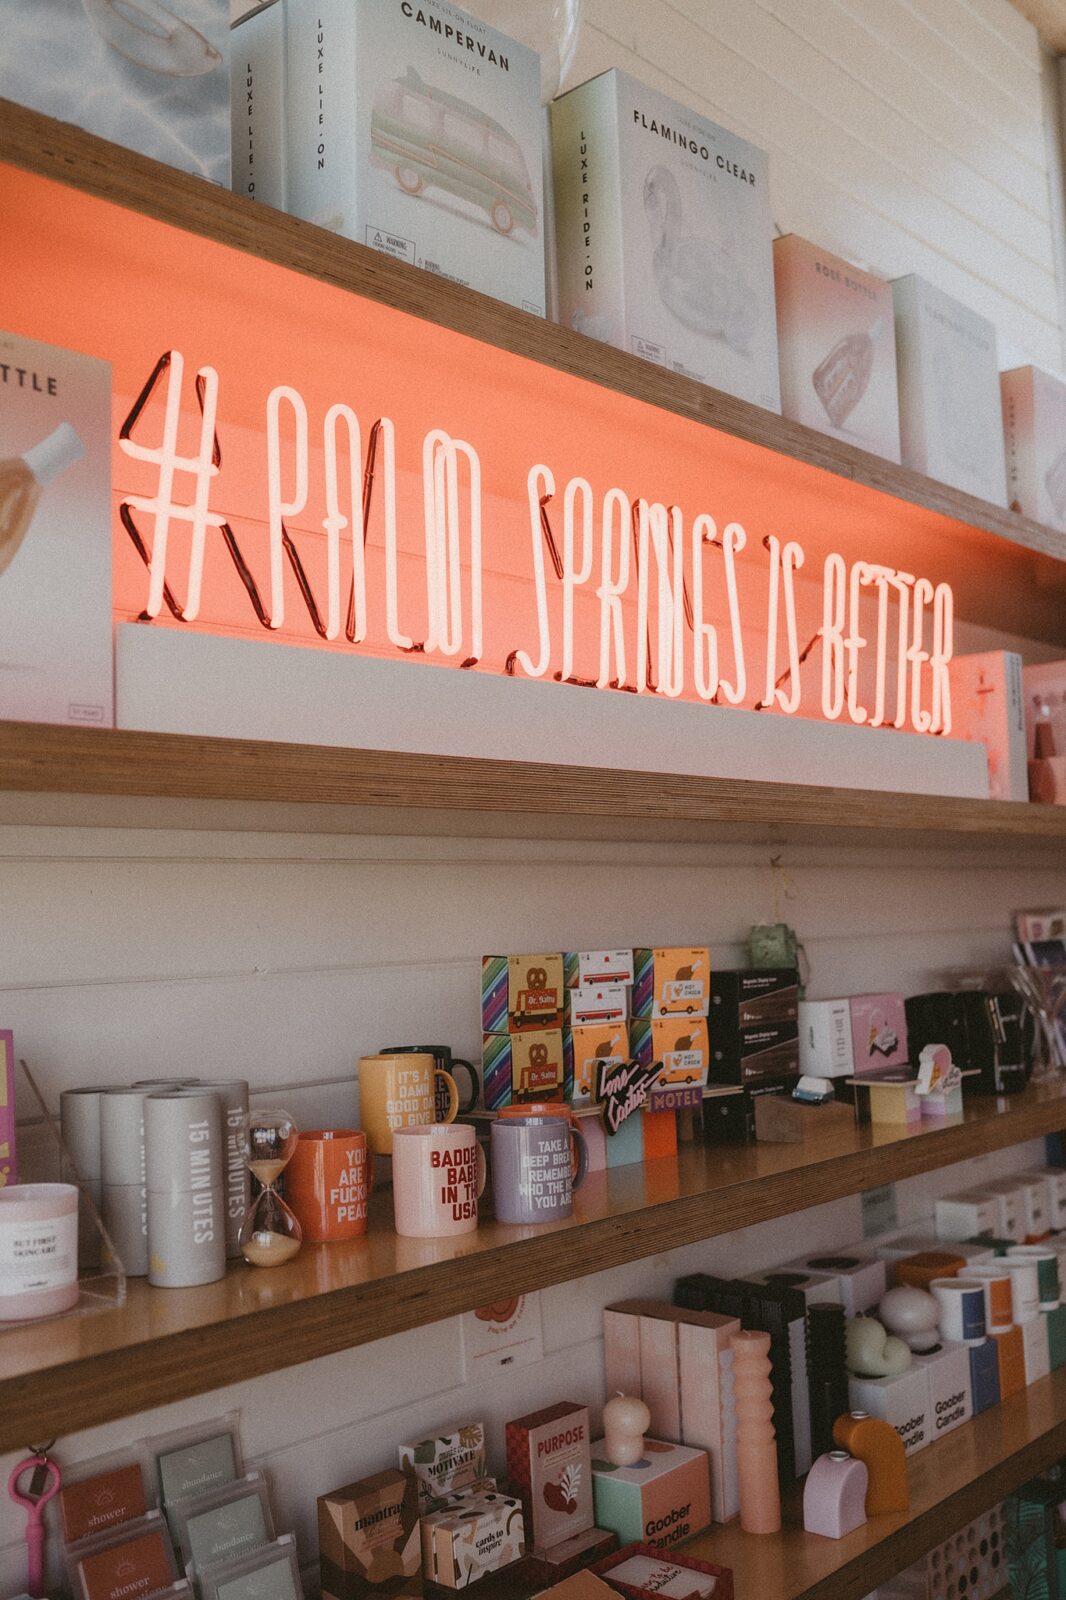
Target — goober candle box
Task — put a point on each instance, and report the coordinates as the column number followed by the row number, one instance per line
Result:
column 661, row 1501
column 836, row 347
column 549, row 1462
column 951, row 419
column 55, row 534
column 1034, row 427
column 416, row 129
column 663, row 234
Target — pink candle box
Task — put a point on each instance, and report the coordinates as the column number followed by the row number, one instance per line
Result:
column 878, row 1031
column 8, row 1165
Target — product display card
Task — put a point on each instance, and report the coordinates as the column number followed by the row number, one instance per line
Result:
column 647, row 1573
column 55, row 533
column 508, row 1333
column 416, row 129
column 195, row 1468
column 149, row 76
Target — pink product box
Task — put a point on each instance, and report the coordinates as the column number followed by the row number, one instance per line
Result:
column 878, row 1031
column 1034, row 428
column 8, row 1168
column 836, row 347
column 986, row 708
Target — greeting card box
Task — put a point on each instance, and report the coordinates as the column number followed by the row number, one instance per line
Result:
column 8, row 1161
column 55, row 530
column 951, row 418
column 368, row 1538
column 986, row 706
column 416, row 129
column 1034, row 427
column 561, row 1560
column 878, row 1031
column 836, row 347
column 257, row 100
column 152, row 78
column 662, row 1500
column 445, row 1463
column 671, row 982
column 549, row 1463
column 825, row 1049
column 663, row 234
column 902, row 1400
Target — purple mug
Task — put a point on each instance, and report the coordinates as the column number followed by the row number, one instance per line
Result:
column 533, row 1168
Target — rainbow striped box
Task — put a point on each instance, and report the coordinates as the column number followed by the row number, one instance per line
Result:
column 521, row 993
column 671, row 982
column 521, row 1066
column 584, row 1046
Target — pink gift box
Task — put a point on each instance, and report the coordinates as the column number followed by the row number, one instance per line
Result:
column 878, row 1031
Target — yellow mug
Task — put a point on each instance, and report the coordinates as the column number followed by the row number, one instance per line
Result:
column 398, row 1092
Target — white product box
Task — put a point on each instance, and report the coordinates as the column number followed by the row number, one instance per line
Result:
column 1044, row 694
column 986, row 705
column 836, row 347
column 1037, row 1350
column 259, row 689
column 55, row 535
column 825, row 1038
column 817, row 1288
column 1010, row 1223
column 950, row 1394
column 145, row 76
column 966, row 1215
column 1054, row 1179
column 902, row 1400
column 663, row 234
column 861, row 1279
column 416, row 129
column 950, row 416
column 1028, row 1195
column 257, row 100
column 1034, row 427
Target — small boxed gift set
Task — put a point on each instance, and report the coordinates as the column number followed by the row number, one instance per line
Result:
column 549, row 1463
column 663, row 233
column 878, row 1031
column 445, row 1463
column 661, row 1501
column 368, row 1538
column 671, row 982
column 986, row 707
column 836, row 347
column 416, row 130
column 482, row 1533
column 1034, row 426
column 639, row 1571
column 951, row 418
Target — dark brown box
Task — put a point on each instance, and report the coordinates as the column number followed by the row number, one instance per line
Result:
column 368, row 1538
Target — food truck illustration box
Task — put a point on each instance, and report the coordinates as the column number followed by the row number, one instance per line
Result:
column 521, row 1066
column 522, row 993
column 416, row 129
column 682, row 1044
column 671, row 982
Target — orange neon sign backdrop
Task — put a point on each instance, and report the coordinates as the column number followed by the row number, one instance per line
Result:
column 296, row 462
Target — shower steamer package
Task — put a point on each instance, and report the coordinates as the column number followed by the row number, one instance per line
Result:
column 950, row 415
column 149, row 76
column 55, row 534
column 416, row 129
column 664, row 236
column 1034, row 425
column 836, row 347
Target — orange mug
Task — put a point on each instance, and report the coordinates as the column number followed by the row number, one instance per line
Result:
column 328, row 1183
column 537, row 1108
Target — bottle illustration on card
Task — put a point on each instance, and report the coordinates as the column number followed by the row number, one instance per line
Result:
column 697, row 279
column 23, row 480
column 842, row 378
column 430, row 139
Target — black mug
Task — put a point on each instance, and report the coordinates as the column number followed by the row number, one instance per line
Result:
column 444, row 1059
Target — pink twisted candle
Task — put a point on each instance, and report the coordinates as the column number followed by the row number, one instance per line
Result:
column 760, row 1495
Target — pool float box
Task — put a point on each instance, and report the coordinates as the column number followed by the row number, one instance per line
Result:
column 368, row 1538
column 664, row 234
column 416, row 129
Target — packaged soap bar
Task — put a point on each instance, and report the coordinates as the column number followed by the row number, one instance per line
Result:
column 224, row 1523
column 257, row 92
column 151, row 77
column 951, row 418
column 1034, row 423
column 368, row 1538
column 90, row 1505
column 987, row 707
column 664, row 233
column 416, row 130
column 549, row 1462
column 445, row 1463
column 671, row 981
column 272, row 1573
column 836, row 347
column 55, row 518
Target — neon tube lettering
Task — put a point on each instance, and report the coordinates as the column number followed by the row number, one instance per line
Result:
column 540, row 484
column 573, row 577
column 943, row 650
column 611, row 589
column 279, row 507
column 704, row 634
column 923, row 594
column 834, row 600
column 734, row 540
column 335, row 520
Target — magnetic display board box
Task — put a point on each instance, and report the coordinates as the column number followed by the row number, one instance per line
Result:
column 55, row 533
column 951, row 418
column 257, row 100
column 986, row 706
column 368, row 1538
column 1034, row 427
column 663, row 234
column 836, row 347
column 156, row 84
column 416, row 130
column 662, row 1501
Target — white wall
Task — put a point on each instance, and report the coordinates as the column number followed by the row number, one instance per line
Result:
column 907, row 134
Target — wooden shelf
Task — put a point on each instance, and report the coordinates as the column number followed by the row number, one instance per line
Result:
column 951, row 1482
column 1007, row 570
column 339, row 790
column 166, row 1344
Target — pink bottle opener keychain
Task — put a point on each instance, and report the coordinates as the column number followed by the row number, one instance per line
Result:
column 42, row 1467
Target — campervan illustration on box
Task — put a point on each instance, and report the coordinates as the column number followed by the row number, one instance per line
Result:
column 430, row 139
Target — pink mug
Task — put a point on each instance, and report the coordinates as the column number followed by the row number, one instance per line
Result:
column 438, row 1172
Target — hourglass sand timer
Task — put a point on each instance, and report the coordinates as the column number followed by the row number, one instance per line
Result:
column 270, row 1234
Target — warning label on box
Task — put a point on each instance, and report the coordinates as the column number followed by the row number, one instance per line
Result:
column 391, row 244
